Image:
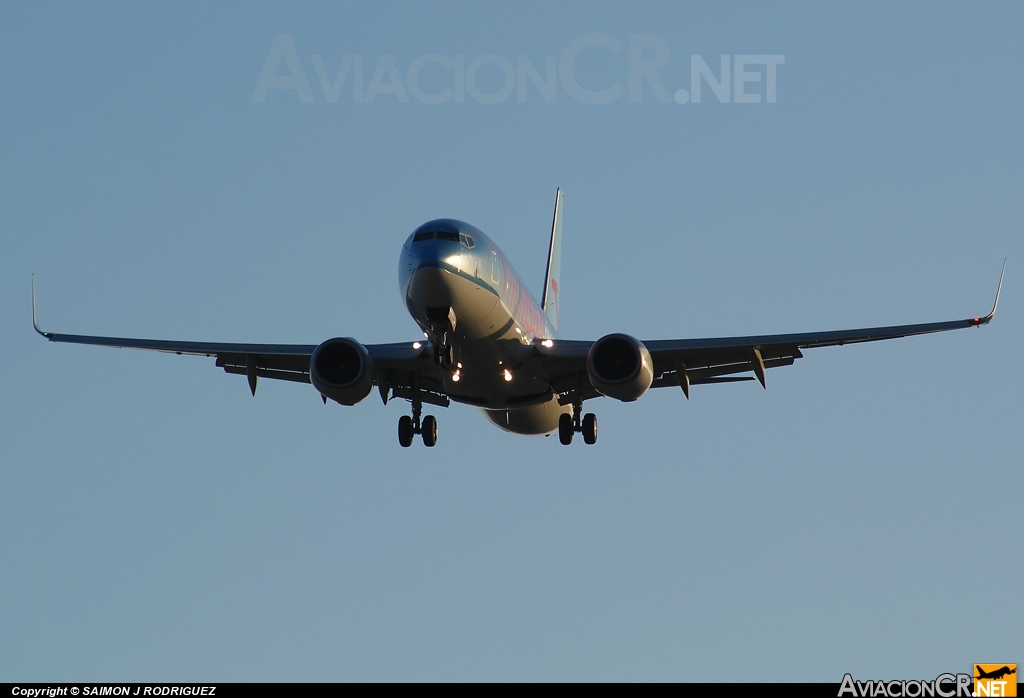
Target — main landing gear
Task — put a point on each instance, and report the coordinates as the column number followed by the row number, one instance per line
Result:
column 408, row 427
column 572, row 424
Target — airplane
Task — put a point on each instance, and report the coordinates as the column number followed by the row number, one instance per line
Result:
column 996, row 674
column 488, row 343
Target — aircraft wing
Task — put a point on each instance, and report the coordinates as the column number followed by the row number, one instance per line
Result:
column 685, row 362
column 711, row 360
column 399, row 365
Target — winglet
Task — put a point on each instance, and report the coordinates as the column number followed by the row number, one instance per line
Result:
column 35, row 314
column 988, row 318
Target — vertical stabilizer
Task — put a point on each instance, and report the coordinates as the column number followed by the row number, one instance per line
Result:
column 549, row 304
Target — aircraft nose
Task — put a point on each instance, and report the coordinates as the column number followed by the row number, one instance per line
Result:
column 426, row 254
column 432, row 259
column 436, row 254
column 432, row 271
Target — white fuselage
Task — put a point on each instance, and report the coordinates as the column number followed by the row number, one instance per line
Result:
column 458, row 285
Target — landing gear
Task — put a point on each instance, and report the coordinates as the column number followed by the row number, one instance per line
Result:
column 571, row 424
column 405, row 431
column 444, row 353
column 408, row 427
column 565, row 429
column 429, row 431
column 589, row 428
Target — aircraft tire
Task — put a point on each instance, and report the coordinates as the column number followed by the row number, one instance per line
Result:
column 590, row 428
column 405, row 431
column 449, row 355
column 565, row 429
column 429, row 430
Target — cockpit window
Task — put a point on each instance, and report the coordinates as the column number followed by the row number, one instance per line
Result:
column 447, row 235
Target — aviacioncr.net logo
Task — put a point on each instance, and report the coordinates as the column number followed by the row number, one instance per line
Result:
column 943, row 686
column 642, row 64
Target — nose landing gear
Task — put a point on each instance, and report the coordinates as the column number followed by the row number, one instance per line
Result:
column 444, row 353
column 442, row 321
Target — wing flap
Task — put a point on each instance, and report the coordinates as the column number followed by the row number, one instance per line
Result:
column 292, row 376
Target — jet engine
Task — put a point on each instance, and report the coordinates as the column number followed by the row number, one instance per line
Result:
column 342, row 370
column 620, row 366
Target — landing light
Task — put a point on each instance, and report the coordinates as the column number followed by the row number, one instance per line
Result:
column 519, row 331
column 455, row 376
column 416, row 345
column 547, row 343
column 508, row 375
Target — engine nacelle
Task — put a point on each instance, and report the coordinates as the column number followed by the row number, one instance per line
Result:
column 342, row 370
column 620, row 366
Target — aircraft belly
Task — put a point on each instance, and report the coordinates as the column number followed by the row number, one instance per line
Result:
column 536, row 419
column 494, row 375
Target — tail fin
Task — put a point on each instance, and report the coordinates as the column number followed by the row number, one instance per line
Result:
column 549, row 304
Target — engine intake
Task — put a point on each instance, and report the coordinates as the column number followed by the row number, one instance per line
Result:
column 620, row 367
column 342, row 370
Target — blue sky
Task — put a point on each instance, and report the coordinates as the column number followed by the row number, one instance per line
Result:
column 860, row 515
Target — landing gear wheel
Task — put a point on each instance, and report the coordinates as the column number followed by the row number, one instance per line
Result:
column 405, row 431
column 444, row 354
column 565, row 429
column 429, row 431
column 590, row 428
